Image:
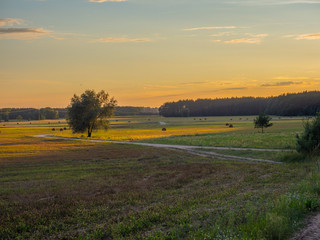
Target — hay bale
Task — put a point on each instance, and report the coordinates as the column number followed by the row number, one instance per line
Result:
column 164, row 129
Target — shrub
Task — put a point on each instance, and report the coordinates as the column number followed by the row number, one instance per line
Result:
column 309, row 141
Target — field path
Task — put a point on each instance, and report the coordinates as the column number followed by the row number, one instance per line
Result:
column 195, row 150
column 311, row 231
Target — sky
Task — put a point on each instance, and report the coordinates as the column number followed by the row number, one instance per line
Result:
column 148, row 52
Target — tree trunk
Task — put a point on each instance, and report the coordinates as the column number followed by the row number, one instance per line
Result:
column 89, row 133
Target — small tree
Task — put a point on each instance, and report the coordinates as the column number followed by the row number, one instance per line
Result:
column 262, row 121
column 19, row 118
column 89, row 111
column 309, row 141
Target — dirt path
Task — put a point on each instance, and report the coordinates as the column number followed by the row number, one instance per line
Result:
column 311, row 232
column 195, row 150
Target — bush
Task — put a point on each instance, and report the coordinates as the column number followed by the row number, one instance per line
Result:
column 309, row 141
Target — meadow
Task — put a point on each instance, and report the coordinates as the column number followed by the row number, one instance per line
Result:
column 67, row 189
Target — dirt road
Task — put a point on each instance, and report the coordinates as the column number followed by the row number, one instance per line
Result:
column 195, row 150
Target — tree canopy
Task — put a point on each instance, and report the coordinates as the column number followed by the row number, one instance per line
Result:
column 309, row 141
column 291, row 104
column 262, row 121
column 90, row 111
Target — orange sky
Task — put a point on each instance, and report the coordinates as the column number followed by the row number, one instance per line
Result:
column 145, row 53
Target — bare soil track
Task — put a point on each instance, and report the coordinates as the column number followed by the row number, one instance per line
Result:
column 196, row 150
column 312, row 231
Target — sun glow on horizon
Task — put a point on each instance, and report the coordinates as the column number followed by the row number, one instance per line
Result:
column 127, row 48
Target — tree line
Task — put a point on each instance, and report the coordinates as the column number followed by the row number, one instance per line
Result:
column 290, row 104
column 28, row 114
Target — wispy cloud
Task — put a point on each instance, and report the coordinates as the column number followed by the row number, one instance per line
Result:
column 235, row 88
column 196, row 83
column 308, row 36
column 156, row 86
column 221, row 34
column 208, row 28
column 274, row 2
column 122, row 40
column 10, row 21
column 254, row 39
column 101, row 1
column 244, row 40
column 23, row 33
column 279, row 84
column 290, row 78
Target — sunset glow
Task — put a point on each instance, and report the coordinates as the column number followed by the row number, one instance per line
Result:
column 147, row 52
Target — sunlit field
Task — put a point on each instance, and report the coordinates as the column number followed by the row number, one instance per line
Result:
column 203, row 131
column 68, row 189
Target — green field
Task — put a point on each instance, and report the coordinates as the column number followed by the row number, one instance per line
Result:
column 67, row 189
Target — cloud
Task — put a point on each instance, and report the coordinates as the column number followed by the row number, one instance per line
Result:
column 122, row 40
column 263, row 35
column 23, row 33
column 310, row 36
column 278, row 84
column 244, row 40
column 221, row 34
column 151, row 86
column 207, row 28
column 235, row 88
column 10, row 21
column 196, row 83
column 101, row 1
column 254, row 39
column 275, row 2
column 290, row 78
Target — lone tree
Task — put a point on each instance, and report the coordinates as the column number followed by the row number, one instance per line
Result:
column 89, row 111
column 262, row 121
column 309, row 141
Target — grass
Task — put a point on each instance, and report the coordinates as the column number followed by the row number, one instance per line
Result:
column 280, row 136
column 77, row 190
column 280, row 156
column 209, row 131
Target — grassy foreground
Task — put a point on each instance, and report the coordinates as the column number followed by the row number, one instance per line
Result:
column 57, row 189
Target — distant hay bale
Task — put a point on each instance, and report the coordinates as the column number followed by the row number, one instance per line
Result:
column 230, row 126
column 227, row 124
column 64, row 128
column 164, row 129
column 61, row 129
column 53, row 129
